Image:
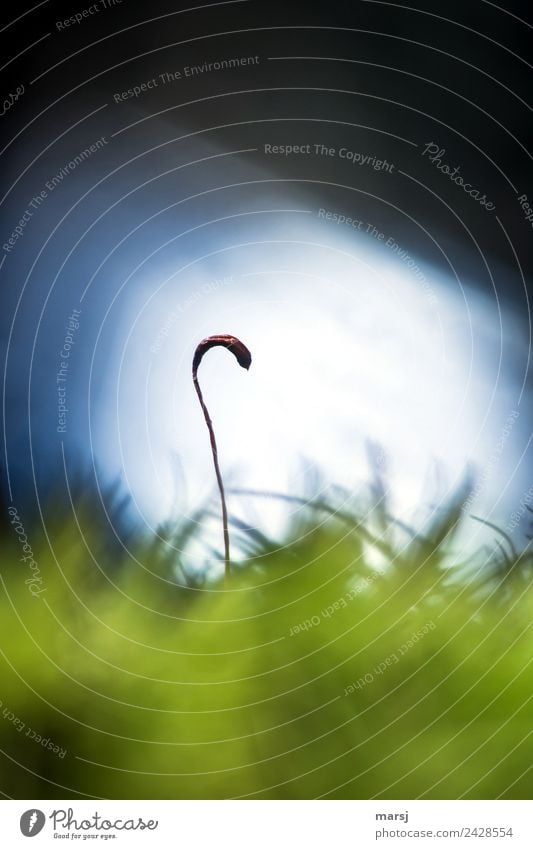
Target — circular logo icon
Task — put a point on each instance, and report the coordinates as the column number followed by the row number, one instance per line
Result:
column 32, row 822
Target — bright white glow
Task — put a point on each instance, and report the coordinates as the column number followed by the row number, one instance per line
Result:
column 347, row 344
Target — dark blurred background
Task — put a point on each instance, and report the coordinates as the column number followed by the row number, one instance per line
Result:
column 382, row 78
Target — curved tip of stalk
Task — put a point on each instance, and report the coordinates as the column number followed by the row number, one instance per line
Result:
column 237, row 348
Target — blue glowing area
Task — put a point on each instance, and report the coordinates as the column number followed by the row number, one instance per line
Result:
column 349, row 342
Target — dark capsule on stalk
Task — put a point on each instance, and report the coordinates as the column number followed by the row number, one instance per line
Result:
column 237, row 348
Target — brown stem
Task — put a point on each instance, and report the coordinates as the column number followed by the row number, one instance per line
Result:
column 244, row 358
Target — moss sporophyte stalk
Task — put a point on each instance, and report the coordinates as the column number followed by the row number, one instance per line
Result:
column 244, row 358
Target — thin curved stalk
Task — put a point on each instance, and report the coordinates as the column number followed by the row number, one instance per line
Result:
column 244, row 358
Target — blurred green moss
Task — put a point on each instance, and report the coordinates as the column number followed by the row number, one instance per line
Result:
column 339, row 664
